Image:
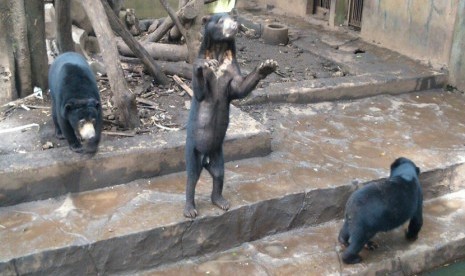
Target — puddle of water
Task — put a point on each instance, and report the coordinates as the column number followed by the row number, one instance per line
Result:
column 455, row 269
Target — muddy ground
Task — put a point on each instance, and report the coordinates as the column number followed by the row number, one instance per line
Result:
column 165, row 108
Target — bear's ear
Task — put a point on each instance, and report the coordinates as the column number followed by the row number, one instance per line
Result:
column 205, row 19
column 67, row 108
column 94, row 103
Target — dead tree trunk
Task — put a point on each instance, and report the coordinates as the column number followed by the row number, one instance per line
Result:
column 23, row 56
column 124, row 99
column 21, row 48
column 135, row 47
column 7, row 63
column 36, row 39
column 63, row 18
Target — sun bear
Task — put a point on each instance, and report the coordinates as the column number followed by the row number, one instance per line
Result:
column 382, row 207
column 76, row 109
column 217, row 80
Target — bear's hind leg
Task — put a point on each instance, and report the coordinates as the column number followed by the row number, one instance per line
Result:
column 414, row 227
column 343, row 237
column 193, row 168
column 216, row 169
column 358, row 239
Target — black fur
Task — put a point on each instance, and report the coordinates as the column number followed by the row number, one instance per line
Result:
column 217, row 81
column 75, row 101
column 382, row 207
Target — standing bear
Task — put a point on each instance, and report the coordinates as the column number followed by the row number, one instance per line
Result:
column 382, row 207
column 76, row 109
column 216, row 81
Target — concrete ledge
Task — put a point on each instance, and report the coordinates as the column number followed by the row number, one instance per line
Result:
column 45, row 174
column 344, row 88
column 127, row 249
column 315, row 250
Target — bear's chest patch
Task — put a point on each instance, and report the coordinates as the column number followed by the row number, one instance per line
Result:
column 225, row 59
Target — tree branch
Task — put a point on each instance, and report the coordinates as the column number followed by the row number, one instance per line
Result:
column 173, row 17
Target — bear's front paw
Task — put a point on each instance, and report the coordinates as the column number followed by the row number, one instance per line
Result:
column 371, row 245
column 267, row 67
column 59, row 135
column 211, row 63
column 77, row 148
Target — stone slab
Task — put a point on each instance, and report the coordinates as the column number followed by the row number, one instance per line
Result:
column 36, row 175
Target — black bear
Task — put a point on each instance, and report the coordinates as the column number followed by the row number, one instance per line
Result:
column 76, row 109
column 216, row 81
column 382, row 207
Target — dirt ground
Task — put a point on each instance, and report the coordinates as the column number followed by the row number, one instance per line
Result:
column 165, row 108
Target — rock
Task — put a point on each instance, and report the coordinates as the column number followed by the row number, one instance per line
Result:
column 47, row 145
column 337, row 74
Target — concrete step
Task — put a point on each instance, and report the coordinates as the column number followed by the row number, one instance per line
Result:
column 316, row 251
column 35, row 174
column 321, row 153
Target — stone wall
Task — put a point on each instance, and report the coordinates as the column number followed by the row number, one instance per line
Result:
column 457, row 56
column 421, row 29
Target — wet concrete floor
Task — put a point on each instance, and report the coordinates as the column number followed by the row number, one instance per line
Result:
column 314, row 145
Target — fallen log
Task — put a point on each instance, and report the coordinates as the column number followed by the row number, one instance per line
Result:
column 180, row 68
column 159, row 51
column 134, row 46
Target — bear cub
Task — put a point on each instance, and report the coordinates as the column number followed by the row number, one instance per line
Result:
column 216, row 81
column 383, row 206
column 76, row 109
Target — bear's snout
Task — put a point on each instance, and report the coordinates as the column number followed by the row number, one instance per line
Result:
column 230, row 27
column 86, row 131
